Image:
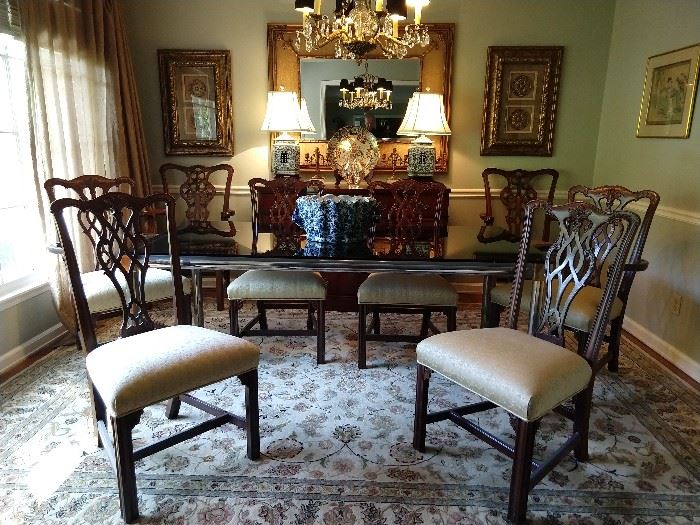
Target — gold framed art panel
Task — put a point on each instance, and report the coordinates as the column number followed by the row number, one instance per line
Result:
column 435, row 76
column 520, row 100
column 196, row 102
column 668, row 96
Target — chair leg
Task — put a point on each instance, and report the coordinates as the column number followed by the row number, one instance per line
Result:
column 320, row 333
column 188, row 308
column 310, row 316
column 582, row 416
column 376, row 322
column 126, row 476
column 581, row 338
column 219, row 290
column 451, row 318
column 522, row 465
column 421, row 414
column 262, row 313
column 486, row 304
column 425, row 324
column 362, row 338
column 252, row 412
column 100, row 413
column 173, row 407
column 614, row 344
column 233, row 307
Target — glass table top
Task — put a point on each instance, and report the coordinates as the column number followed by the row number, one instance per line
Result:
column 461, row 253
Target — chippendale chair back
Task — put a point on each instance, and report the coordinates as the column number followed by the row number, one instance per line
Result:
column 412, row 218
column 273, row 202
column 517, row 192
column 87, row 187
column 198, row 191
column 122, row 251
column 616, row 198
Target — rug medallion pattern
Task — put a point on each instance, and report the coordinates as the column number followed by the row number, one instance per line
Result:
column 336, row 446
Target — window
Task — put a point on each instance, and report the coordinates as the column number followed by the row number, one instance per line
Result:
column 23, row 253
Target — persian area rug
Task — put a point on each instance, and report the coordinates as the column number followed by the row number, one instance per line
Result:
column 336, row 446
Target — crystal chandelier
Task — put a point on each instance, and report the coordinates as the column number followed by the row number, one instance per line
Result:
column 360, row 26
column 367, row 92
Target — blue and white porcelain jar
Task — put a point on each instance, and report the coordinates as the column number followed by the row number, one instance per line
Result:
column 335, row 218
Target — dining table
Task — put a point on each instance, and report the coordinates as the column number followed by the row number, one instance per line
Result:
column 460, row 253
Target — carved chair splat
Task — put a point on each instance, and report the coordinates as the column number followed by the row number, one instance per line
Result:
column 517, row 192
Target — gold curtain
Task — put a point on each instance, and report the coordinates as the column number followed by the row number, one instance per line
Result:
column 85, row 115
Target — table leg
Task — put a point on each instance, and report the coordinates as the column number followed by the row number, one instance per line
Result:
column 198, row 297
column 534, row 304
column 485, row 298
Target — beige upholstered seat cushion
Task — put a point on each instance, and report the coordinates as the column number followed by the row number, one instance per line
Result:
column 581, row 312
column 133, row 372
column 406, row 289
column 102, row 296
column 278, row 285
column 524, row 375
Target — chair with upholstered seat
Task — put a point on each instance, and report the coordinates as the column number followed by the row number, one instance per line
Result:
column 411, row 225
column 518, row 190
column 530, row 375
column 583, row 309
column 273, row 202
column 99, row 290
column 197, row 191
column 149, row 363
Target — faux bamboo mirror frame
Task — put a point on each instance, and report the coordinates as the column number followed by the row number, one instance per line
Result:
column 284, row 63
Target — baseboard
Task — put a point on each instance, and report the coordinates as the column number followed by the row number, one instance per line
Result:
column 664, row 349
column 28, row 348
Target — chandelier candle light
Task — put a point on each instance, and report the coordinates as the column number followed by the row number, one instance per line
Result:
column 360, row 26
column 367, row 92
column 425, row 115
column 285, row 116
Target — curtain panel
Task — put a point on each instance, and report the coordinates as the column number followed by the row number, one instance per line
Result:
column 85, row 114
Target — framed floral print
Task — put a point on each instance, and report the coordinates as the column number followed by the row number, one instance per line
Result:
column 520, row 100
column 670, row 84
column 196, row 100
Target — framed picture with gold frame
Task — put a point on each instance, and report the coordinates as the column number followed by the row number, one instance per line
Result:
column 196, row 101
column 520, row 100
column 668, row 97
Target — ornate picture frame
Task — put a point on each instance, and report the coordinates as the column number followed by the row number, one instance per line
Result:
column 195, row 89
column 520, row 100
column 668, row 96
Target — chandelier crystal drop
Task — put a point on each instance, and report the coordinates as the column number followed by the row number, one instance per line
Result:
column 366, row 92
column 358, row 27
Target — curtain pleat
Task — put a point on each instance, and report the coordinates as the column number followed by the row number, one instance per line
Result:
column 85, row 115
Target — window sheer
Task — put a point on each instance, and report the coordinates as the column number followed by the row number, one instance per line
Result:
column 23, row 255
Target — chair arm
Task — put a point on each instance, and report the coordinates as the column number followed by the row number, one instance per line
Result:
column 55, row 248
column 638, row 266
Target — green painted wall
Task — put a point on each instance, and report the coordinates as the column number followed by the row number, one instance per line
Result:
column 582, row 27
column 643, row 28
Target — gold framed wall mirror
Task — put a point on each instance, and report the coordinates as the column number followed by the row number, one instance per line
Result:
column 309, row 73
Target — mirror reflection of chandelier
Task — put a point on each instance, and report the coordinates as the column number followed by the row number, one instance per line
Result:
column 366, row 92
column 360, row 26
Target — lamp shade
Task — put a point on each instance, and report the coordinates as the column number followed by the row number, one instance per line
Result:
column 283, row 113
column 425, row 115
column 305, row 118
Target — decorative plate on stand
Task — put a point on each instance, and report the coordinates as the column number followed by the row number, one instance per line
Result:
column 353, row 151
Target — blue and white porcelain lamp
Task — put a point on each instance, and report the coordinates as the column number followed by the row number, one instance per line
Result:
column 284, row 115
column 425, row 115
